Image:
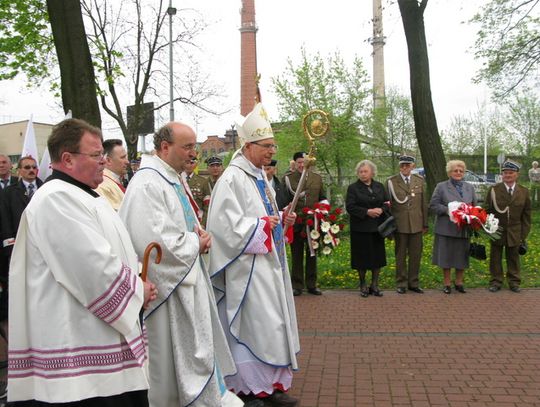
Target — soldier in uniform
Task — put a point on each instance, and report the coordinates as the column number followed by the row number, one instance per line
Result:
column 409, row 207
column 313, row 192
column 511, row 204
column 215, row 169
column 196, row 184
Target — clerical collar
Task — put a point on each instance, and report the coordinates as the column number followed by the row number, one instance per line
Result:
column 258, row 171
column 62, row 176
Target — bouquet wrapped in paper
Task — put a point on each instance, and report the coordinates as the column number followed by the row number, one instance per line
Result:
column 474, row 218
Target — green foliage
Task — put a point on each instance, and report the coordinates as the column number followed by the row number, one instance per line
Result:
column 26, row 43
column 523, row 122
column 508, row 43
column 340, row 90
column 335, row 270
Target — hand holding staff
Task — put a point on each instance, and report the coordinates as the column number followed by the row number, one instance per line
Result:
column 150, row 290
column 315, row 124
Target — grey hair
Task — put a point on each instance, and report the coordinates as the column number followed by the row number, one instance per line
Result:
column 163, row 134
column 535, row 163
column 369, row 163
column 450, row 165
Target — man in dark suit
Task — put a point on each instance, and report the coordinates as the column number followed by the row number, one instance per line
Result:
column 511, row 204
column 409, row 207
column 16, row 198
column 5, row 172
column 312, row 193
column 281, row 197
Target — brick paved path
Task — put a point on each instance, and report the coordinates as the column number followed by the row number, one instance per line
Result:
column 478, row 349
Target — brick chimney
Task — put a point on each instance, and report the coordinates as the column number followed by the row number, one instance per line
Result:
column 248, row 57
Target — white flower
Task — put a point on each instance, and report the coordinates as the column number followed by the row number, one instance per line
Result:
column 315, row 244
column 325, row 227
column 334, row 229
column 327, row 238
column 315, row 235
column 492, row 224
column 327, row 250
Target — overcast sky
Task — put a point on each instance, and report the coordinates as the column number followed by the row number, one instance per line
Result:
column 321, row 26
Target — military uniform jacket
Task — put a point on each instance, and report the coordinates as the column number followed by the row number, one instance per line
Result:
column 313, row 188
column 408, row 203
column 516, row 221
column 196, row 184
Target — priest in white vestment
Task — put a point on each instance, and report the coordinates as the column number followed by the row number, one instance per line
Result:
column 188, row 351
column 248, row 268
column 75, row 333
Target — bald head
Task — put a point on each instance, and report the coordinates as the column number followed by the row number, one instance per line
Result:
column 175, row 144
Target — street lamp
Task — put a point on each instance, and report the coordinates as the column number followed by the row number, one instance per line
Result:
column 171, row 11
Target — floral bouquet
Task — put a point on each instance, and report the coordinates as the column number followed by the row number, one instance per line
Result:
column 474, row 218
column 323, row 225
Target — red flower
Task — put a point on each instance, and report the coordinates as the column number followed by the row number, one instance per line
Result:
column 305, row 210
column 332, row 217
column 309, row 222
column 341, row 226
column 319, row 215
column 339, row 211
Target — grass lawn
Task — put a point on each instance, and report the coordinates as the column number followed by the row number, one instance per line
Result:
column 335, row 270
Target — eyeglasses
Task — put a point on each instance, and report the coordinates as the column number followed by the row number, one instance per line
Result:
column 187, row 147
column 29, row 167
column 93, row 156
column 268, row 146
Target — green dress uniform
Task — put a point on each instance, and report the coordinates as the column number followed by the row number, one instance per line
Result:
column 410, row 209
column 196, row 184
column 207, row 188
column 514, row 214
column 313, row 193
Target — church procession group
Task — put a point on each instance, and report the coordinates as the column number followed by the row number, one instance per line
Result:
column 213, row 322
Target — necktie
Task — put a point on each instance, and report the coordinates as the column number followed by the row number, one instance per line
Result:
column 30, row 190
column 407, row 180
column 510, row 191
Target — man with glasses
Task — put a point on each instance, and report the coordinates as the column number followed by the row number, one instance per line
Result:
column 75, row 294
column 116, row 163
column 312, row 193
column 248, row 266
column 188, row 349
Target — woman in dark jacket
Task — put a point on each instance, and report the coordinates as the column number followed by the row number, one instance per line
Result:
column 365, row 201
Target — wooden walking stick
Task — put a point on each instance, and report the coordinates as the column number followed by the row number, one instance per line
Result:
column 146, row 258
column 315, row 124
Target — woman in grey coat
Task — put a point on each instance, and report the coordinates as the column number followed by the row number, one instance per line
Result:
column 451, row 245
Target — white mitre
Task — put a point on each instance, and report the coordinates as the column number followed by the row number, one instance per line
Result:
column 255, row 127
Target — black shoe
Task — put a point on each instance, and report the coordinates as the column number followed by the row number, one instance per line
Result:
column 364, row 292
column 280, row 399
column 515, row 289
column 447, row 289
column 417, row 290
column 401, row 290
column 494, row 288
column 314, row 291
column 297, row 291
column 460, row 288
column 375, row 291
column 251, row 401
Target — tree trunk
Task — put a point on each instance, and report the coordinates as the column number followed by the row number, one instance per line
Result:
column 76, row 69
column 427, row 133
